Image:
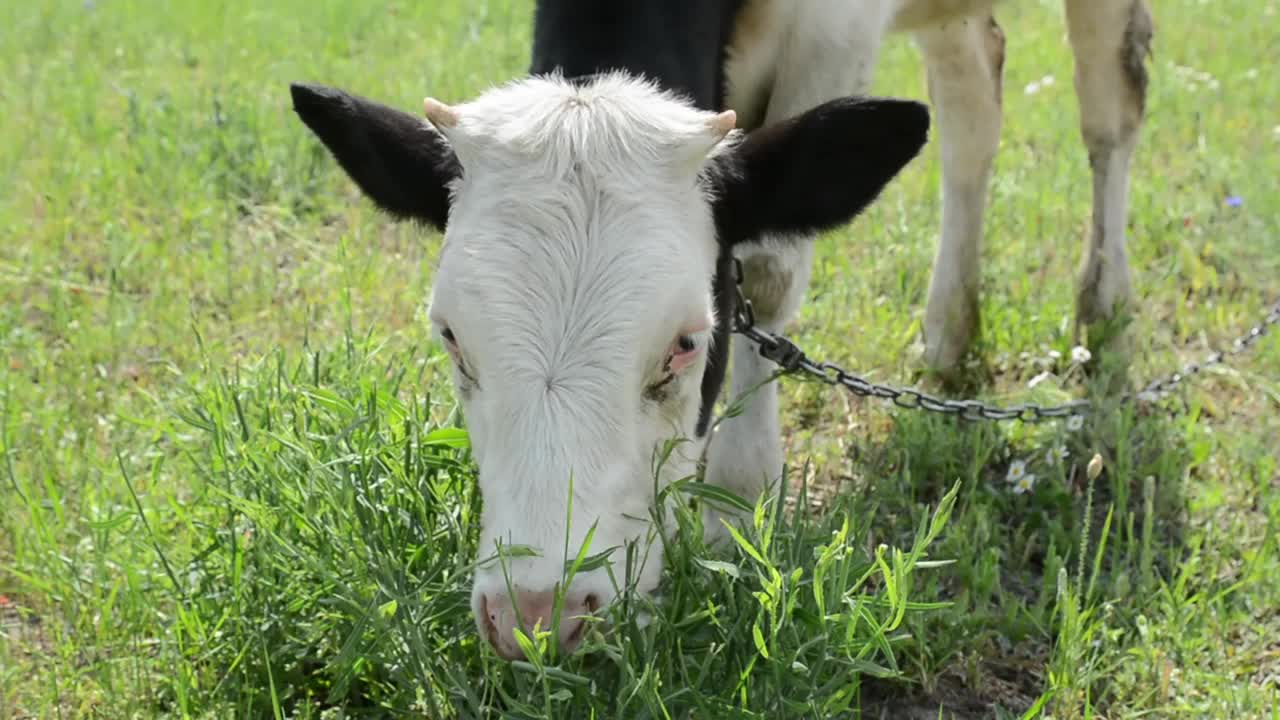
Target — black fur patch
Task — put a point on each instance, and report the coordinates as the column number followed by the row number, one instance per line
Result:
column 816, row 171
column 397, row 159
column 725, row 301
column 677, row 43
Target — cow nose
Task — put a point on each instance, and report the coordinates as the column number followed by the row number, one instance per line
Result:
column 535, row 608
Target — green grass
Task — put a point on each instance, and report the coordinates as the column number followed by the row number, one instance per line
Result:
column 232, row 486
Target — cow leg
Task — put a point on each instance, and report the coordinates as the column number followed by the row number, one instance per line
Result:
column 823, row 55
column 1110, row 40
column 964, row 61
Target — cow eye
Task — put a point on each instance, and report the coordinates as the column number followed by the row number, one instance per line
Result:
column 455, row 353
column 680, row 354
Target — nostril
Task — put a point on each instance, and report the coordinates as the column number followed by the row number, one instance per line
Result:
column 488, row 614
column 490, row 623
column 575, row 636
column 576, row 622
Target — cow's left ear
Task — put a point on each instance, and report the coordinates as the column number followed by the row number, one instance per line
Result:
column 398, row 160
column 815, row 171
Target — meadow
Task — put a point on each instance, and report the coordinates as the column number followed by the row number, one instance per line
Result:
column 234, row 484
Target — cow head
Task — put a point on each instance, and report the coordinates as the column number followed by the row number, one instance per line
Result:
column 582, row 222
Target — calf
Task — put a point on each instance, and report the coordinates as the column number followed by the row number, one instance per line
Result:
column 591, row 213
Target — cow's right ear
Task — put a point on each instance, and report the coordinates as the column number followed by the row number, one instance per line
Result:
column 398, row 160
column 815, row 171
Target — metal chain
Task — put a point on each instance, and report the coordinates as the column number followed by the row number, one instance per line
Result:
column 1157, row 389
column 788, row 356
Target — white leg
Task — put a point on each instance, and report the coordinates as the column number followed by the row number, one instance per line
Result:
column 1111, row 40
column 964, row 61
column 826, row 52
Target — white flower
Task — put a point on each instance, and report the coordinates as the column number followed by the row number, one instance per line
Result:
column 1017, row 471
column 1075, row 422
column 1025, row 484
column 1094, row 468
column 1080, row 355
column 1056, row 454
column 1034, row 87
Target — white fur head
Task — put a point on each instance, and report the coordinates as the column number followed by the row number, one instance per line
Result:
column 584, row 225
column 574, row 295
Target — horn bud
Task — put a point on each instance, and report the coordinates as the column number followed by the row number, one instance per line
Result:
column 723, row 123
column 440, row 115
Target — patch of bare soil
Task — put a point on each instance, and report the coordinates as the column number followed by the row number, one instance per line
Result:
column 979, row 683
column 21, row 628
column 1010, row 684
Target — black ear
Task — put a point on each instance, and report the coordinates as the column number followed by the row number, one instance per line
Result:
column 397, row 159
column 816, row 171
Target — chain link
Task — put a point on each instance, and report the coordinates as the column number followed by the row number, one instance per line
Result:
column 1162, row 387
column 788, row 356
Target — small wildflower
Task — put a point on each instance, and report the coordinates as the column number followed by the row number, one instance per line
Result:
column 1034, row 87
column 1024, row 484
column 5, row 601
column 1055, row 355
column 1235, row 201
column 1075, row 422
column 1017, row 471
column 1080, row 355
column 1095, row 467
column 1057, row 454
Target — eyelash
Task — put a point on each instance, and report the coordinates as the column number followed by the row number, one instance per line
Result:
column 459, row 363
